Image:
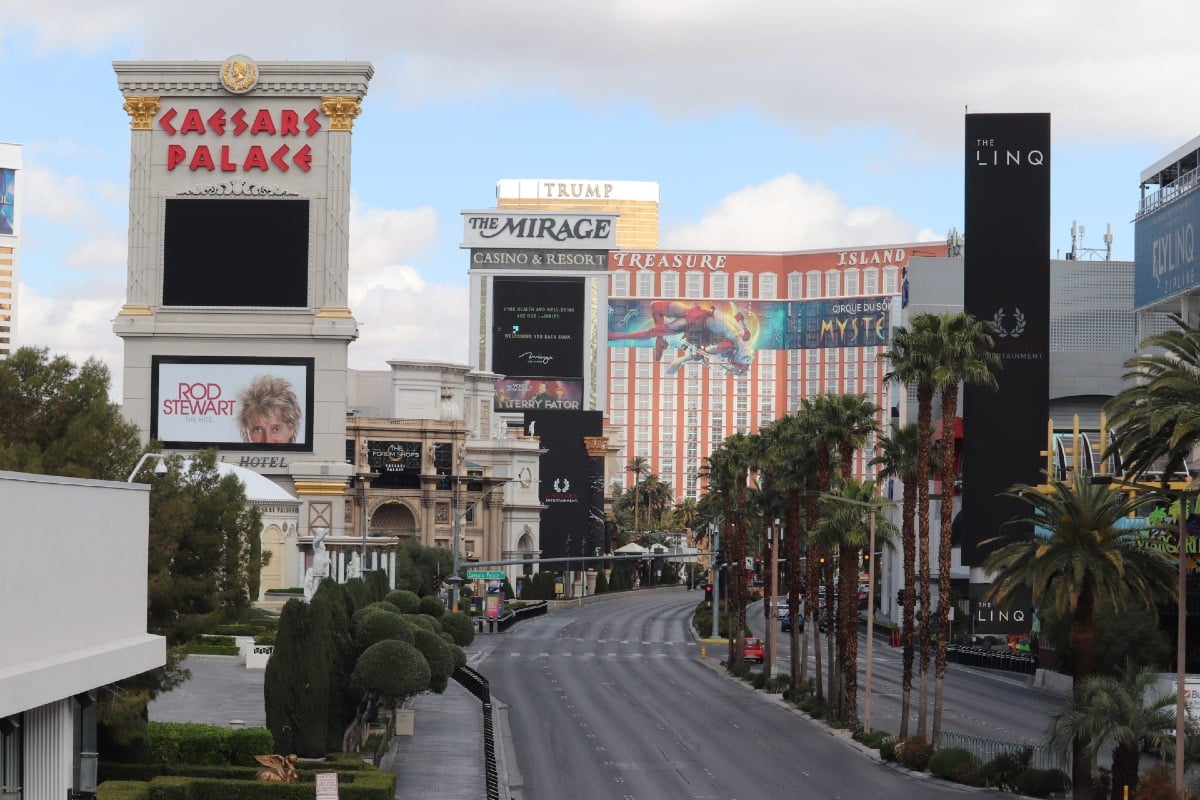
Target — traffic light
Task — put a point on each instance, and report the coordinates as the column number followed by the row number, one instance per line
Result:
column 708, row 593
column 900, row 597
column 757, row 564
column 721, row 557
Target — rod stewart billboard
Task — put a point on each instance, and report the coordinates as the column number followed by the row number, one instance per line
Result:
column 1007, row 283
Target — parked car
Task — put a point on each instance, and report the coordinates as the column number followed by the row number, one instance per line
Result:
column 752, row 650
column 781, row 608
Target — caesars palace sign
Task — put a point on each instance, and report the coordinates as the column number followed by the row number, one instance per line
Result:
column 241, row 132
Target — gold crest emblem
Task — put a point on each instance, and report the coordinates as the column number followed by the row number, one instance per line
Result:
column 239, row 74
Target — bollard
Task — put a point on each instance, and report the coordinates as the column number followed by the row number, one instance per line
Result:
column 703, row 651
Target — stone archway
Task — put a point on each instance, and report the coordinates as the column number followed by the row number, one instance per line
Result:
column 394, row 518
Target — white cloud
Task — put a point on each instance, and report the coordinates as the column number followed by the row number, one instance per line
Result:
column 77, row 323
column 912, row 66
column 789, row 213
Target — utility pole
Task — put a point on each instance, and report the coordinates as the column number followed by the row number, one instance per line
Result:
column 772, row 631
column 716, row 581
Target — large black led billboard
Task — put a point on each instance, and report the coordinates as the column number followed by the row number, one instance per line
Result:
column 227, row 252
column 565, row 487
column 537, row 327
column 1007, row 283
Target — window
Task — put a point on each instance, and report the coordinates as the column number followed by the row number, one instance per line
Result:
column 766, row 388
column 619, row 370
column 695, row 284
column 620, row 284
column 767, row 286
column 766, row 404
column 718, row 284
column 717, row 402
column 814, row 284
column 645, row 283
column 717, row 434
column 667, row 466
column 645, row 370
column 641, row 418
column 812, row 388
column 692, row 450
column 795, row 285
column 619, row 353
column 644, row 387
column 668, row 434
column 889, row 280
column 741, row 387
column 692, row 372
column 670, row 284
column 666, row 419
column 871, row 281
column 765, row 418
column 691, row 417
column 716, row 418
column 831, row 371
column 832, row 283
column 812, row 372
column 667, row 402
column 851, row 278
column 644, row 401
column 666, row 450
column 619, row 387
column 642, row 446
column 741, row 403
column 618, row 401
column 692, row 387
column 851, row 370
column 617, row 417
column 691, row 434
column 743, row 280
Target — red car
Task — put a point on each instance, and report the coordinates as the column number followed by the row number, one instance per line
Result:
column 752, row 650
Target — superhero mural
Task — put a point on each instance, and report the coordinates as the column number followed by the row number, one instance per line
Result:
column 723, row 334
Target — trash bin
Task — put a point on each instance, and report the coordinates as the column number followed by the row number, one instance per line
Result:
column 897, row 638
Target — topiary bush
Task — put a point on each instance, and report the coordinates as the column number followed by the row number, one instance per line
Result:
column 431, row 606
column 423, row 622
column 392, row 669
column 373, row 625
column 915, row 753
column 440, row 656
column 944, row 761
column 404, row 600
column 460, row 627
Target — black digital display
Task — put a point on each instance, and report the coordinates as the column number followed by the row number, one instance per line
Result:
column 537, row 327
column 227, row 252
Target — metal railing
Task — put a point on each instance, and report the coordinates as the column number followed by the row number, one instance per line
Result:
column 1023, row 663
column 478, row 685
column 986, row 749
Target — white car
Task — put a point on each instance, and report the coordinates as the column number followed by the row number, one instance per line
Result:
column 781, row 608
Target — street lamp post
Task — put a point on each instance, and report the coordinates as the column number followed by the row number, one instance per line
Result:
column 455, row 579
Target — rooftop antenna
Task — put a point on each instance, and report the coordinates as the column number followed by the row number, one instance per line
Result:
column 1091, row 253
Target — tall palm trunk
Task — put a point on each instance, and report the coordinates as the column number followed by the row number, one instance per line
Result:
column 848, row 564
column 795, row 582
column 946, row 470
column 1083, row 632
column 908, row 535
column 924, row 426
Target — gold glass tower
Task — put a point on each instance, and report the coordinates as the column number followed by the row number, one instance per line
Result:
column 635, row 201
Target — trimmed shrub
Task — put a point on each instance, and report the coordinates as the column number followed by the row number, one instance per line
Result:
column 373, row 625
column 423, row 622
column 887, row 748
column 1002, row 771
column 404, row 600
column 393, row 669
column 943, row 761
column 197, row 744
column 916, row 753
column 440, row 656
column 1042, row 782
column 460, row 627
column 431, row 606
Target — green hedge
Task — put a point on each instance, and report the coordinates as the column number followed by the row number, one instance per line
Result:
column 369, row 784
column 194, row 743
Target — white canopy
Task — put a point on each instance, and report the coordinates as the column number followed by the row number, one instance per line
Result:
column 633, row 548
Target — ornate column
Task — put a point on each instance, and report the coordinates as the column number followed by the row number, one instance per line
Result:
column 140, row 282
column 341, row 112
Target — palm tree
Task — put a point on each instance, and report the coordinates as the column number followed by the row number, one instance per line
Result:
column 964, row 357
column 725, row 472
column 1070, row 549
column 898, row 459
column 846, row 526
column 911, row 360
column 1157, row 417
column 791, row 462
column 849, row 420
column 639, row 466
column 1121, row 711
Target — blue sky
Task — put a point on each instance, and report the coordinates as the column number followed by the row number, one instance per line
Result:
column 768, row 125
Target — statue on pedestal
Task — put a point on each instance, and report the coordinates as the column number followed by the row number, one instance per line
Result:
column 319, row 570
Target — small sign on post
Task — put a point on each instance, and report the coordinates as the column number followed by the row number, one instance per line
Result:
column 485, row 575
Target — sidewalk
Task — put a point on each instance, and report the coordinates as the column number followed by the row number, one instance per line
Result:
column 443, row 757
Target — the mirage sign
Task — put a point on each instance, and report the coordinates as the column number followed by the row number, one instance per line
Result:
column 539, row 229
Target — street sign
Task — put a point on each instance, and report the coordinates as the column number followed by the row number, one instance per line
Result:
column 485, row 575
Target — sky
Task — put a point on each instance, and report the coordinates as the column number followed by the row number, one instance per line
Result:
column 768, row 125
